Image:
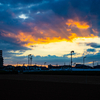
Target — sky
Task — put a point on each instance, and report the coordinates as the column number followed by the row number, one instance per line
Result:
column 49, row 30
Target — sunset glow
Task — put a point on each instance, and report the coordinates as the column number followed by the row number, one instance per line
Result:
column 50, row 30
column 80, row 25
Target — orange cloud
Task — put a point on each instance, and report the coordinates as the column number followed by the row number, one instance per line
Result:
column 28, row 40
column 68, row 29
column 31, row 40
column 73, row 35
column 41, row 32
column 95, row 31
column 78, row 24
column 48, row 34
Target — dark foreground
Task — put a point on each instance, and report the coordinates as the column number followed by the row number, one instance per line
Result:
column 35, row 90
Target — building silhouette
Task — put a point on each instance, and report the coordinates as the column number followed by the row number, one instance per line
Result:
column 1, row 59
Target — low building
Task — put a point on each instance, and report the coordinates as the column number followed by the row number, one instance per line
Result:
column 43, row 68
column 61, row 67
column 81, row 66
column 97, row 67
column 9, row 68
column 32, row 67
column 65, row 66
column 50, row 66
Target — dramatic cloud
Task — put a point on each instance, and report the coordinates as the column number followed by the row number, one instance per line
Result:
column 52, row 59
column 94, row 45
column 91, row 50
column 27, row 25
column 80, row 25
column 20, row 1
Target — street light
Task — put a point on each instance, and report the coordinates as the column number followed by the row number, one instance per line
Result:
column 71, row 59
column 93, row 63
column 29, row 60
column 83, row 60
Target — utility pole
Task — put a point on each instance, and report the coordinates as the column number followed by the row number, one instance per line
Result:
column 29, row 60
column 44, row 64
column 83, row 60
column 23, row 64
column 71, row 59
column 93, row 63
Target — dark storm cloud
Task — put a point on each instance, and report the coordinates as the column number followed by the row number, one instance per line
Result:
column 53, row 59
column 11, row 57
column 10, row 21
column 91, row 50
column 94, row 45
column 61, row 8
column 91, row 58
column 78, row 7
column 8, row 46
column 20, row 1
column 49, row 59
column 49, row 12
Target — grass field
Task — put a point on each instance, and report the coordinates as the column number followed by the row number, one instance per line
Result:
column 97, row 73
column 89, row 73
column 82, row 79
column 42, row 90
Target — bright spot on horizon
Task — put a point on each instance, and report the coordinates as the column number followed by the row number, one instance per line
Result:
column 61, row 48
column 23, row 16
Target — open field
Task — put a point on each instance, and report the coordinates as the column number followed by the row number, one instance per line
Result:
column 83, row 79
column 93, row 73
column 49, row 87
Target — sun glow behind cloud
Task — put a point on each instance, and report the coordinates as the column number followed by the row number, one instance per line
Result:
column 64, row 47
column 49, row 35
column 55, row 27
column 72, row 36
